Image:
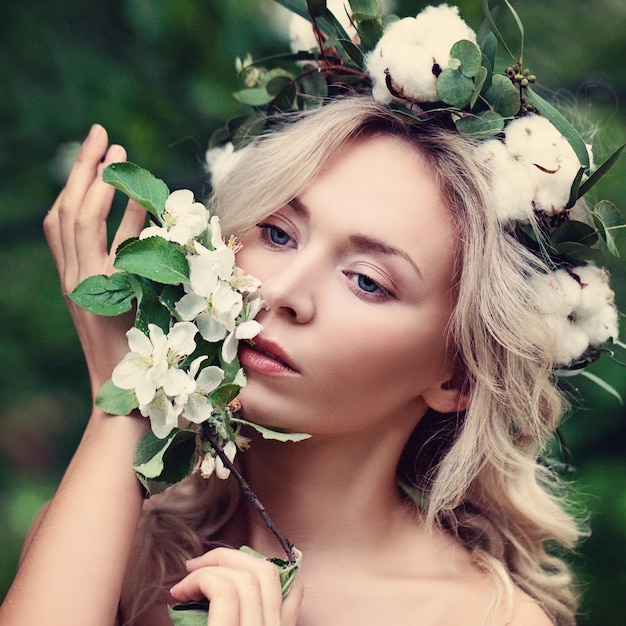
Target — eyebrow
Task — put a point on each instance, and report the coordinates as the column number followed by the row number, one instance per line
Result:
column 360, row 242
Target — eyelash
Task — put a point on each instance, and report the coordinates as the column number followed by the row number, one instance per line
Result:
column 379, row 293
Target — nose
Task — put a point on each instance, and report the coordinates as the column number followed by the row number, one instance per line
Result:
column 290, row 291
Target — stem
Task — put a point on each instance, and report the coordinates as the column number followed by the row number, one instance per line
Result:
column 286, row 545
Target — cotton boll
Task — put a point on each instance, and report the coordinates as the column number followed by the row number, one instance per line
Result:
column 410, row 51
column 557, row 293
column 595, row 289
column 600, row 327
column 570, row 340
column 534, row 140
column 510, row 183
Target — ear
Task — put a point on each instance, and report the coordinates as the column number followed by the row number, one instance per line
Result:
column 451, row 396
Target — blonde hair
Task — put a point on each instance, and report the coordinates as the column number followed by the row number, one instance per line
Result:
column 477, row 472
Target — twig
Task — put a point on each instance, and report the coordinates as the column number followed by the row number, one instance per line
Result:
column 286, row 545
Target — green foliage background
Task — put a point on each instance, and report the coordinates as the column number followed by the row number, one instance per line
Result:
column 158, row 75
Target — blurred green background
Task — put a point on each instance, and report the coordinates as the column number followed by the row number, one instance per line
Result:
column 159, row 74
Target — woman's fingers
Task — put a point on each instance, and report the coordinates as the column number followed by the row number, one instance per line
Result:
column 239, row 586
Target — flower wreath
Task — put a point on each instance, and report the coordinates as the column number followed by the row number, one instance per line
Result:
column 181, row 275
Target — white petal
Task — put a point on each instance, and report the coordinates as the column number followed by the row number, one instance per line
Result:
column 190, row 305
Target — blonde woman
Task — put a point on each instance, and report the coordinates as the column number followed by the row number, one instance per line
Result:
column 401, row 332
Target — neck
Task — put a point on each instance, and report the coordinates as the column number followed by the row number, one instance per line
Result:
column 334, row 493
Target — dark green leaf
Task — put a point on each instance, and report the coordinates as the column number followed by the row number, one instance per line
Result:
column 316, row 8
column 278, row 84
column 481, row 126
column 139, row 184
column 487, row 41
column 503, row 97
column 224, row 394
column 575, row 252
column 599, row 172
column 116, row 401
column 561, row 124
column 353, row 51
column 156, row 259
column 150, row 309
column 574, row 189
column 573, row 230
column 370, row 31
column 105, row 295
column 454, row 88
column 160, row 463
column 313, row 89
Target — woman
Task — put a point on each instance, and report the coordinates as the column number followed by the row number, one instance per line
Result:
column 401, row 332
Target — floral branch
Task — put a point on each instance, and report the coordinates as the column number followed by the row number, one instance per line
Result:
column 286, row 545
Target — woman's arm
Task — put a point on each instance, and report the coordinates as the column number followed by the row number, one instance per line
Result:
column 73, row 568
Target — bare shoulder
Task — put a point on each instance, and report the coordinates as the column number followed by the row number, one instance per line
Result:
column 527, row 611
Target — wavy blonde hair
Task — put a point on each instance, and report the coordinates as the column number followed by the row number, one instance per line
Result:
column 477, row 473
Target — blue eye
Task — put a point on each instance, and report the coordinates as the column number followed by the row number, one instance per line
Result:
column 367, row 284
column 275, row 235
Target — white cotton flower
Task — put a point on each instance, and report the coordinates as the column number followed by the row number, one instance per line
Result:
column 183, row 219
column 511, row 185
column 220, row 161
column 412, row 52
column 547, row 157
column 221, row 471
column 578, row 306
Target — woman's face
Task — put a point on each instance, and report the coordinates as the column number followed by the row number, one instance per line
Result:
column 357, row 274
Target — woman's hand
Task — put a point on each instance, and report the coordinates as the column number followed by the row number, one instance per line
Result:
column 76, row 232
column 243, row 590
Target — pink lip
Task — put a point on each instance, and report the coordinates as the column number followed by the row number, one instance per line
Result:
column 265, row 357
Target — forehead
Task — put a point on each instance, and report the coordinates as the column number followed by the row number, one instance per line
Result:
column 382, row 186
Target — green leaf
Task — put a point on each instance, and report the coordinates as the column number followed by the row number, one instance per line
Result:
column 494, row 29
column 288, row 570
column 599, row 172
column 502, row 96
column 255, row 96
column 487, row 41
column 481, row 126
column 561, row 124
column 454, row 88
column 574, row 189
column 273, row 434
column 116, row 401
column 602, row 384
column 156, row 259
column 224, row 394
column 578, row 252
column 105, row 295
column 607, row 216
column 368, row 8
column 313, row 90
column 151, row 309
column 160, row 463
column 139, row 185
column 299, row 7
column 189, row 614
column 370, row 31
column 479, row 82
column 353, row 51
column 316, row 8
column 574, row 230
column 469, row 55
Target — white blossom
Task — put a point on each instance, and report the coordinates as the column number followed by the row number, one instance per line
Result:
column 411, row 48
column 220, row 161
column 221, row 471
column 183, row 219
column 578, row 306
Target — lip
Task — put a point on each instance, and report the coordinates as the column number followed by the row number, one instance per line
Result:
column 265, row 357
